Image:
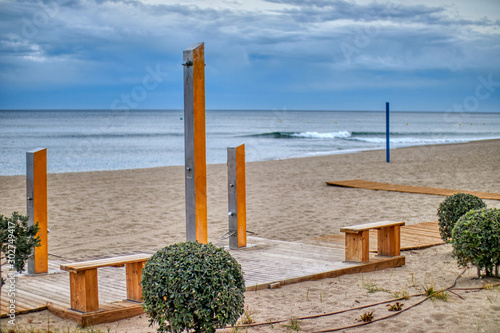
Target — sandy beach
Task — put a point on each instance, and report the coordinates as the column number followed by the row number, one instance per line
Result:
column 103, row 214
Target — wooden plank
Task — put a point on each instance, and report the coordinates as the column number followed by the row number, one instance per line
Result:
column 421, row 233
column 359, row 183
column 91, row 290
column 134, row 273
column 389, row 241
column 5, row 313
column 372, row 225
column 65, row 312
column 84, row 290
column 113, row 262
column 24, row 304
column 27, row 299
column 108, row 314
column 45, row 286
column 357, row 246
column 19, row 306
column 37, row 300
column 374, row 264
column 112, row 315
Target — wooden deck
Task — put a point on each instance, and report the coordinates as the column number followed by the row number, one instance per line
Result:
column 365, row 184
column 414, row 236
column 269, row 263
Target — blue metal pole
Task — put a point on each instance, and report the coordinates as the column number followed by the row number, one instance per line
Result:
column 387, row 132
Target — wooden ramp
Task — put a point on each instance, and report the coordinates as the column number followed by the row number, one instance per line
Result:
column 414, row 236
column 365, row 184
column 269, row 263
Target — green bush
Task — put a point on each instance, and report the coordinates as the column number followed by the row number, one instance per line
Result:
column 476, row 239
column 192, row 286
column 17, row 241
column 452, row 208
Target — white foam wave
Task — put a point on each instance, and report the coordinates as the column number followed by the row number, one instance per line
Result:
column 318, row 135
column 417, row 141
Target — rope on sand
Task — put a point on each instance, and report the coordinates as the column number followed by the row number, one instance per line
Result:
column 427, row 297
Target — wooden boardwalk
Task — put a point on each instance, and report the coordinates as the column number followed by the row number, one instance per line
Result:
column 365, row 184
column 414, row 236
column 269, row 263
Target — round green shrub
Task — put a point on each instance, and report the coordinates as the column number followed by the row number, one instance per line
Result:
column 452, row 208
column 192, row 286
column 476, row 239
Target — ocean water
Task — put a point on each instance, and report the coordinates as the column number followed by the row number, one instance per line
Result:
column 110, row 140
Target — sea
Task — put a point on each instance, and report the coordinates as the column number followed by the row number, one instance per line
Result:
column 94, row 140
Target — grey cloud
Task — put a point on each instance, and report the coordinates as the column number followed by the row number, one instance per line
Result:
column 323, row 11
column 114, row 35
column 415, row 36
column 319, row 10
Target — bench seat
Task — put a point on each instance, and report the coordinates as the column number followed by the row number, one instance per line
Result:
column 107, row 262
column 357, row 240
column 83, row 279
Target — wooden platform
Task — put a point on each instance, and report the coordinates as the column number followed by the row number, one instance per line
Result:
column 365, row 184
column 270, row 263
column 273, row 262
column 415, row 236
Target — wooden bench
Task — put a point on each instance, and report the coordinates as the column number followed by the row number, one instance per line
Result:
column 357, row 240
column 83, row 279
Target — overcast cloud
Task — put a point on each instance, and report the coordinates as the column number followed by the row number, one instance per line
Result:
column 274, row 54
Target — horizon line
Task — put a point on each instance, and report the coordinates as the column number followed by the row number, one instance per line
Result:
column 257, row 110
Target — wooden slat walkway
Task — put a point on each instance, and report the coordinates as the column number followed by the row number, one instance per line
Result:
column 269, row 262
column 414, row 236
column 365, row 184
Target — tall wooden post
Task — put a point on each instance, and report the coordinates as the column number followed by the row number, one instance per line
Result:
column 36, row 195
column 194, row 143
column 237, row 196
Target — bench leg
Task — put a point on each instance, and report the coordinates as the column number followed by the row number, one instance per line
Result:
column 83, row 290
column 357, row 246
column 134, row 273
column 389, row 241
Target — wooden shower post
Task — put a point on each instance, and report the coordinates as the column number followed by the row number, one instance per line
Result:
column 237, row 196
column 194, row 143
column 36, row 202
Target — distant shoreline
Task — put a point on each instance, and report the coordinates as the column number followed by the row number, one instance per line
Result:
column 278, row 159
column 246, row 110
column 95, row 141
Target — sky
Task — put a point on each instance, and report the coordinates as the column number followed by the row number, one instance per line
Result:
column 419, row 55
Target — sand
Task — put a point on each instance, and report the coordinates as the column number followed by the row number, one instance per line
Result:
column 102, row 214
